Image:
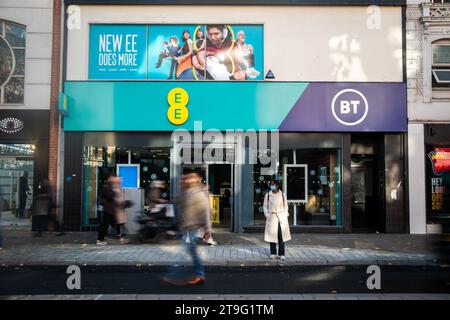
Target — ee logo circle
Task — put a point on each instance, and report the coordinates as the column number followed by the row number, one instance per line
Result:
column 178, row 98
column 349, row 107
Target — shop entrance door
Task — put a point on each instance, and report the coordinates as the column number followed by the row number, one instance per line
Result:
column 219, row 180
column 16, row 185
column 366, row 211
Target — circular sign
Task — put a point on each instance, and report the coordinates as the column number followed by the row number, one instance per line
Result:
column 178, row 97
column 349, row 107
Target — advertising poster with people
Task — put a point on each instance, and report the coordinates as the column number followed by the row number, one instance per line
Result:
column 176, row 52
column 205, row 52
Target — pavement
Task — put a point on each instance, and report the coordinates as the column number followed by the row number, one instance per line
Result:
column 233, row 249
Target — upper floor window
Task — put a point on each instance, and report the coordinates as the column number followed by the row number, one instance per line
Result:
column 12, row 63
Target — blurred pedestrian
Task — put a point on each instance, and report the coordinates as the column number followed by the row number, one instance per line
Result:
column 155, row 200
column 113, row 210
column 277, row 224
column 23, row 192
column 160, row 209
column 194, row 217
column 42, row 206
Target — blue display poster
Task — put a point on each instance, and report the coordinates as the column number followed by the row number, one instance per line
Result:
column 129, row 173
column 118, row 51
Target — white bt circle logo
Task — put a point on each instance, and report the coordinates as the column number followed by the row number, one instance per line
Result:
column 349, row 107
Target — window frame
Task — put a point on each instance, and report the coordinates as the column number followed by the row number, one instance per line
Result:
column 4, row 23
column 437, row 78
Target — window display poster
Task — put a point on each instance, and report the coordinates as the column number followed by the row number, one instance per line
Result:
column 118, row 51
column 438, row 182
column 323, row 176
column 205, row 52
column 129, row 174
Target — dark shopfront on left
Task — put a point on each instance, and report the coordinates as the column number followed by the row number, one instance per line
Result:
column 24, row 142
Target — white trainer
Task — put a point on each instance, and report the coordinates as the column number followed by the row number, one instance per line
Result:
column 101, row 243
column 211, row 242
column 124, row 240
column 273, row 256
column 282, row 258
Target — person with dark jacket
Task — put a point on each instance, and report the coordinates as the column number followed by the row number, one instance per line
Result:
column 23, row 190
column 113, row 210
column 42, row 206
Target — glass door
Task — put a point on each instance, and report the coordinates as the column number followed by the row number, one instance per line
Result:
column 16, row 185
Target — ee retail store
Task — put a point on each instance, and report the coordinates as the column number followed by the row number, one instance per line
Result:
column 241, row 96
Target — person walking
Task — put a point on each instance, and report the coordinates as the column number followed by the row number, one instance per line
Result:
column 155, row 200
column 23, row 190
column 113, row 210
column 194, row 218
column 42, row 206
column 277, row 224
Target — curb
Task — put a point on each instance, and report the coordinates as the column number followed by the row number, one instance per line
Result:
column 227, row 263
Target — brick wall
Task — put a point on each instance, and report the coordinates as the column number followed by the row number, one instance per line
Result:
column 54, row 96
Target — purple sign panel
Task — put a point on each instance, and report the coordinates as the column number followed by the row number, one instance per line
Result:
column 349, row 107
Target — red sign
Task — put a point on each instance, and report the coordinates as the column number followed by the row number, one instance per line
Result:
column 440, row 160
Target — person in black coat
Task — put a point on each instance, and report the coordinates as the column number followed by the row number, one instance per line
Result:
column 42, row 206
column 23, row 190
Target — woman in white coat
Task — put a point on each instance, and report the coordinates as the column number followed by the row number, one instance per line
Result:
column 277, row 224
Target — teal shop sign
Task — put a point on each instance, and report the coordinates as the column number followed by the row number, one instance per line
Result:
column 143, row 106
column 118, row 52
column 63, row 104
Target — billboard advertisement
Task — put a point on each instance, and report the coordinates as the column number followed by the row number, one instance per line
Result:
column 176, row 52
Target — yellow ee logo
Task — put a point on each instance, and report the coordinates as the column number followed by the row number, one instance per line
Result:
column 178, row 99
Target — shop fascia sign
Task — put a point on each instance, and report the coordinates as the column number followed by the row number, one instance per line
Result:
column 63, row 104
column 184, row 140
column 305, row 107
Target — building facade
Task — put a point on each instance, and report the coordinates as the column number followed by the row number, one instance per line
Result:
column 428, row 58
column 25, row 76
column 311, row 95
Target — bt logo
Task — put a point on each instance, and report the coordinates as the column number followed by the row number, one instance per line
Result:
column 349, row 107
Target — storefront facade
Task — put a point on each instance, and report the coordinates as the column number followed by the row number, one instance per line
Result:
column 428, row 115
column 25, row 75
column 314, row 110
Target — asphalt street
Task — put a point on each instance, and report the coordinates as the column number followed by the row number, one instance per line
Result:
column 40, row 280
